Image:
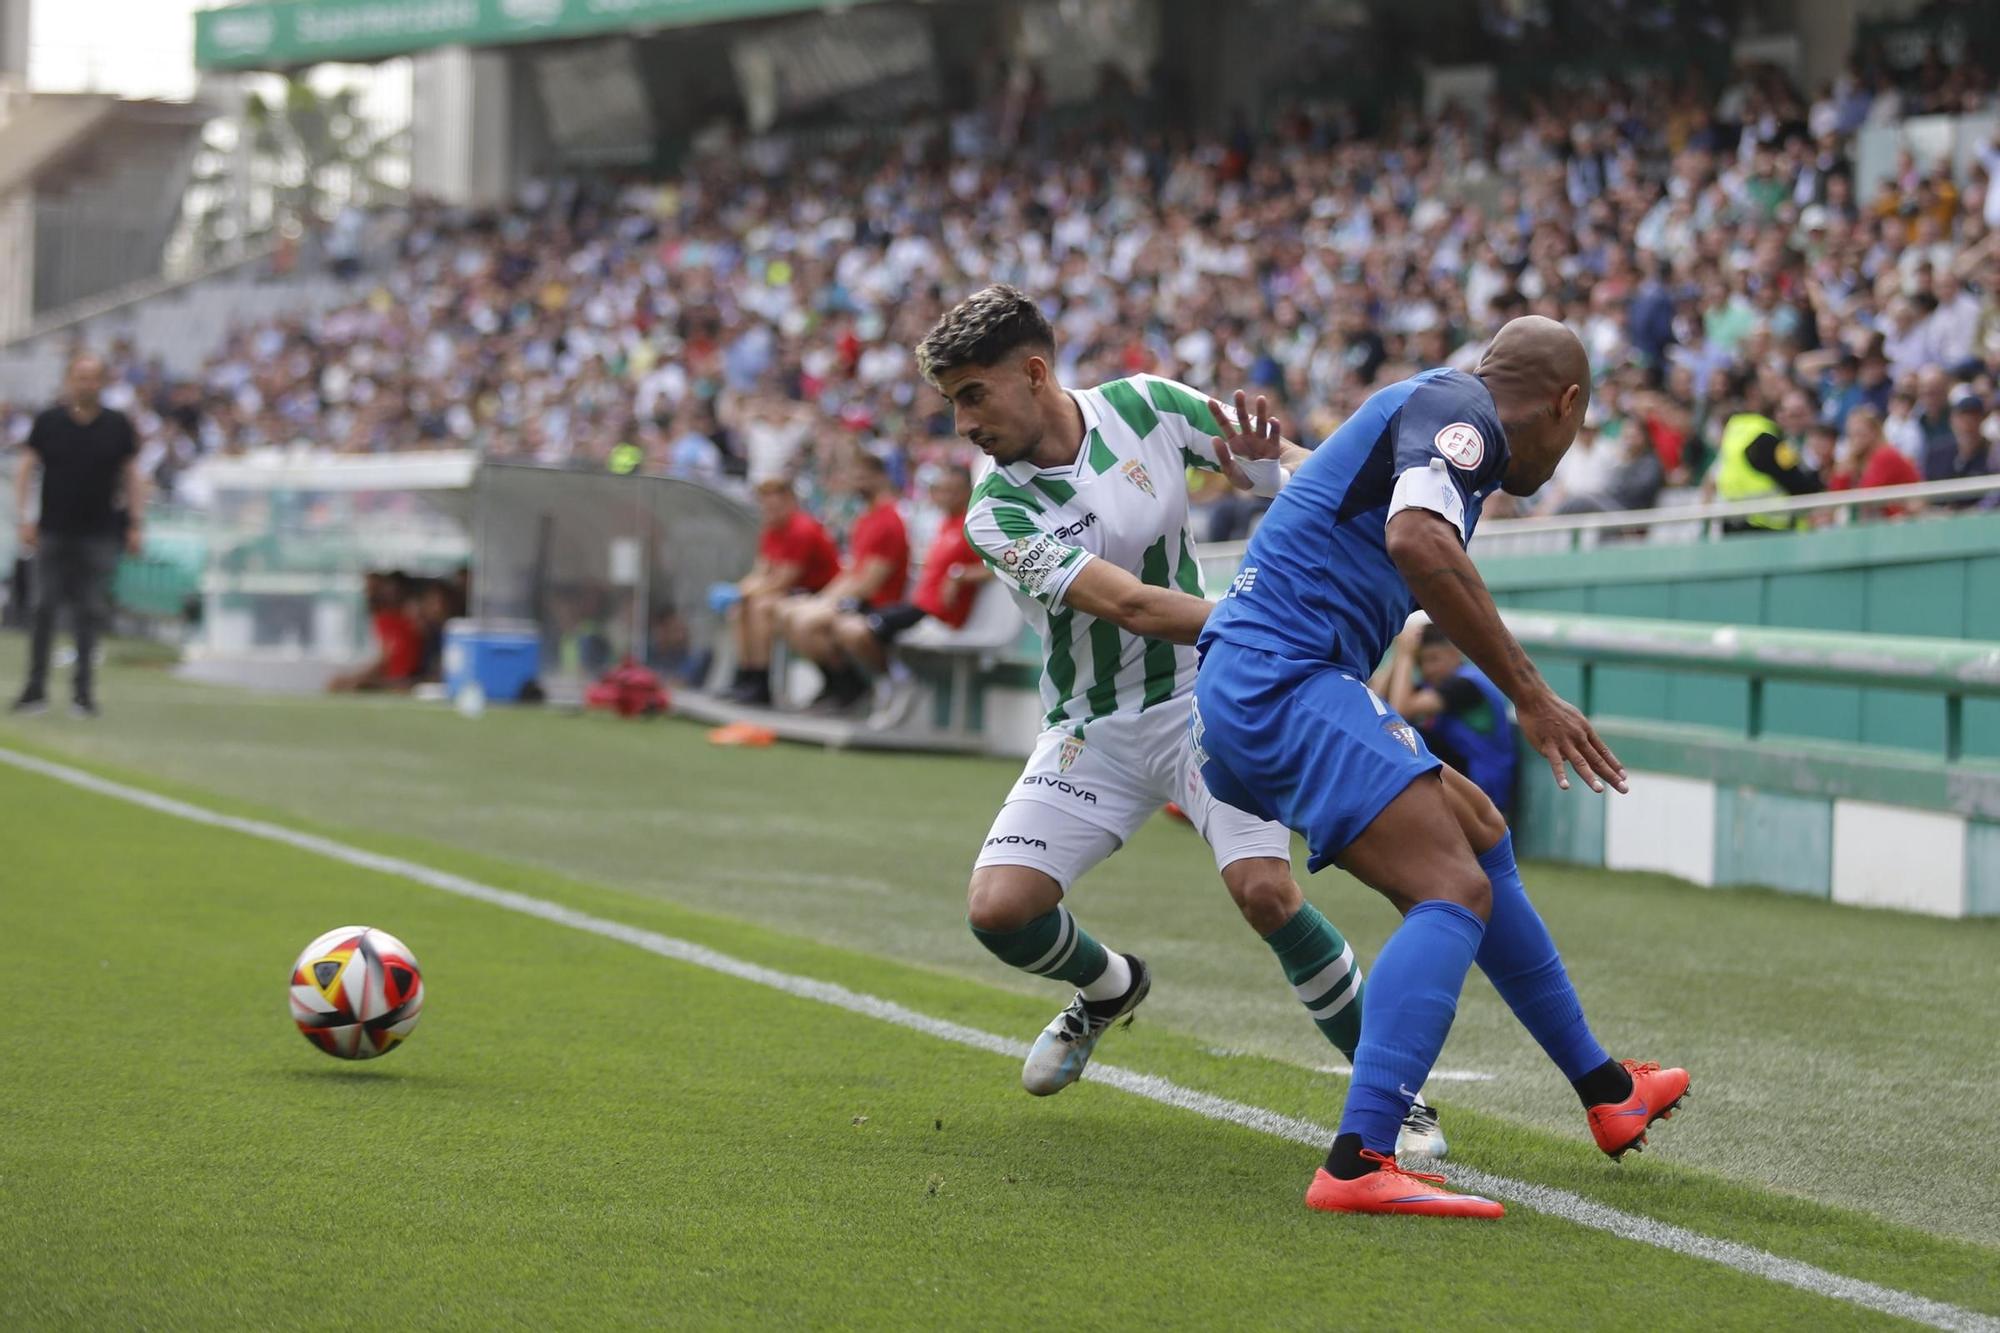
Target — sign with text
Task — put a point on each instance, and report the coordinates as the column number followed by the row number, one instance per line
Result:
column 279, row 34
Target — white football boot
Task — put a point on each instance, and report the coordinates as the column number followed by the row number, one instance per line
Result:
column 1420, row 1135
column 1064, row 1048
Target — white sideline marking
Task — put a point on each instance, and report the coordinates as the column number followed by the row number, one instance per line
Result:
column 1345, row 1071
column 1539, row 1198
column 1435, row 1076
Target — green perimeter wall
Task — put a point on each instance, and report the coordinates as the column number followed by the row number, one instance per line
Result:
column 1938, row 576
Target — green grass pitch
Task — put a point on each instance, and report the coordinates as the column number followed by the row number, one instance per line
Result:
column 583, row 1134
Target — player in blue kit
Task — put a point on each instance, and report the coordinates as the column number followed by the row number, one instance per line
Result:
column 1371, row 526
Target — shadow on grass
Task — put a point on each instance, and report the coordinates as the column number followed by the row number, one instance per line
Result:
column 372, row 1072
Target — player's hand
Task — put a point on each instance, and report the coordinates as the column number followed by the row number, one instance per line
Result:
column 30, row 535
column 1252, row 434
column 1563, row 735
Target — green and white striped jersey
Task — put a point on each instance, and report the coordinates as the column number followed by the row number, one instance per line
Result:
column 1124, row 500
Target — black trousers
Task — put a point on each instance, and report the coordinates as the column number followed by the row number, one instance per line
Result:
column 74, row 572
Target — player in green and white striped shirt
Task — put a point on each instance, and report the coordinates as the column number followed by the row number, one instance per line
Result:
column 1084, row 518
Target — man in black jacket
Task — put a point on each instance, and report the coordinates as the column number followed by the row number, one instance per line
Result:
column 85, row 455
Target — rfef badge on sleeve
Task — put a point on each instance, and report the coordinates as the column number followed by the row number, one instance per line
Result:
column 1461, row 443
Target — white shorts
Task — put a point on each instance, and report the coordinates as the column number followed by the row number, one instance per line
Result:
column 1080, row 798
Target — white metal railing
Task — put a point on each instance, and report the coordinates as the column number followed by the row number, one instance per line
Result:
column 1682, row 523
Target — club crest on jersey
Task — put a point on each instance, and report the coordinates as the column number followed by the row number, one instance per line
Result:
column 1461, row 443
column 1402, row 731
column 1070, row 751
column 1135, row 472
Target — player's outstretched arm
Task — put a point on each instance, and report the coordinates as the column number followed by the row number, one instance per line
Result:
column 1425, row 548
column 1251, row 435
column 1103, row 590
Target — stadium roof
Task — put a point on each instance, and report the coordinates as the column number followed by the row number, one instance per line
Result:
column 46, row 128
column 281, row 34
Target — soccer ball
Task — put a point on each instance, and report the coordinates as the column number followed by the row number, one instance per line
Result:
column 357, row 992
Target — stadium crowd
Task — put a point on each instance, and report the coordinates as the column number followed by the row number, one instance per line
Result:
column 754, row 317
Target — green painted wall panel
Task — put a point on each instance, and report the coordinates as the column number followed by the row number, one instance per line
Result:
column 1551, row 599
column 1981, row 589
column 1725, row 600
column 1565, row 678
column 1982, row 621
column 1917, row 599
column 1774, row 839
column 1556, row 825
column 1982, row 869
column 1828, row 599
column 1911, row 599
column 1982, row 728
column 1898, row 717
column 1632, row 691
column 1816, row 599
column 1716, row 701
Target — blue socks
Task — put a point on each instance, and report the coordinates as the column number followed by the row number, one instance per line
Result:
column 1521, row 961
column 1412, row 998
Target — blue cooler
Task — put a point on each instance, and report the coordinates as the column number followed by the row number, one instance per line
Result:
column 504, row 656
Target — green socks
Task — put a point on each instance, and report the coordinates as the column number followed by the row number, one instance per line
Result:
column 1052, row 945
column 1318, row 963
column 1321, row 968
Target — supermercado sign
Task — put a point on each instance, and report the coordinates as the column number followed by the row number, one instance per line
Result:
column 282, row 33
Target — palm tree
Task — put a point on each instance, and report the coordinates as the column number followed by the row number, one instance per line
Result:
column 291, row 159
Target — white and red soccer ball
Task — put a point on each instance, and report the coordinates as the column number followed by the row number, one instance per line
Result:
column 357, row 992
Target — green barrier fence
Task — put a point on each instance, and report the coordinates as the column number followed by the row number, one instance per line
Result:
column 1913, row 824
column 1950, row 670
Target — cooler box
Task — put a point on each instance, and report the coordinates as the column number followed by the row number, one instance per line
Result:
column 504, row 656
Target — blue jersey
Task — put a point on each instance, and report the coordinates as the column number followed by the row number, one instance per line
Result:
column 1317, row 583
column 1474, row 733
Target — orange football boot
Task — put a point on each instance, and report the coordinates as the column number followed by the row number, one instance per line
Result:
column 1620, row 1127
column 1394, row 1190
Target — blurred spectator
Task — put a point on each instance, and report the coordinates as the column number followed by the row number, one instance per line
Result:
column 1972, row 454
column 1822, row 451
column 947, row 586
column 399, row 642
column 1462, row 715
column 1795, row 416
column 693, row 454
column 1650, row 324
column 794, row 557
column 1955, row 322
column 1755, row 461
column 1637, row 480
column 1935, row 445
column 79, row 475
column 1871, row 461
column 1902, row 428
column 1624, row 472
column 874, row 579
column 1582, row 481
column 432, row 607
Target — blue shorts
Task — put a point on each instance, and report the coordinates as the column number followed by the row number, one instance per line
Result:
column 1307, row 744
